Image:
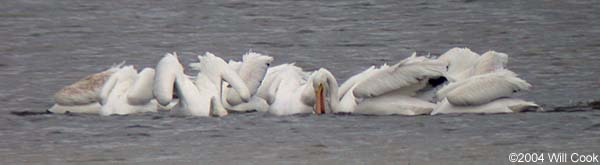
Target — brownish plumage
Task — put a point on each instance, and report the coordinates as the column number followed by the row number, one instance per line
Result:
column 84, row 91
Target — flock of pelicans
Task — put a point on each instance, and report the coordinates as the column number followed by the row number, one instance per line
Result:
column 458, row 81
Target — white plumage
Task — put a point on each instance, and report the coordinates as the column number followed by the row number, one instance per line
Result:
column 202, row 96
column 478, row 84
column 397, row 105
column 235, row 65
column 500, row 105
column 166, row 71
column 460, row 61
column 271, row 81
column 489, row 61
column 252, row 71
column 485, row 87
column 122, row 94
column 463, row 63
column 401, row 76
column 383, row 91
column 351, row 82
column 217, row 70
column 141, row 90
column 196, row 97
column 288, row 91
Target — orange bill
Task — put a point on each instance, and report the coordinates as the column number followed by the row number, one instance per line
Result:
column 320, row 104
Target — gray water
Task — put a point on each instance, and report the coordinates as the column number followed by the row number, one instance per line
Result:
column 47, row 44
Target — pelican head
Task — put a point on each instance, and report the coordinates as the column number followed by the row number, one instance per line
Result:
column 324, row 85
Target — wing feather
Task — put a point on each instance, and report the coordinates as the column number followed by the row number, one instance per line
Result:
column 141, row 90
column 86, row 90
column 253, row 69
column 489, row 62
column 482, row 89
column 272, row 80
column 403, row 74
column 235, row 65
column 211, row 64
column 350, row 82
column 460, row 60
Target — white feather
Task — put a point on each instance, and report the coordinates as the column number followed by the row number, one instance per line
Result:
column 194, row 66
column 141, row 91
column 235, row 65
column 108, row 87
column 460, row 61
column 484, row 88
column 396, row 105
column 166, row 70
column 401, row 75
column 252, row 71
column 288, row 97
column 117, row 102
column 272, row 79
column 395, row 102
column 351, row 82
column 489, row 62
column 217, row 70
column 348, row 102
column 256, row 103
column 502, row 105
column 191, row 100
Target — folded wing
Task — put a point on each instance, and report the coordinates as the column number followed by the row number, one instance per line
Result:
column 405, row 74
column 482, row 89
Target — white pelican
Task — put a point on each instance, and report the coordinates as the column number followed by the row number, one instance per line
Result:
column 84, row 95
column 127, row 92
column 287, row 89
column 464, row 63
column 460, row 61
column 251, row 70
column 480, row 85
column 383, row 91
column 196, row 98
column 167, row 70
column 201, row 97
column 486, row 93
